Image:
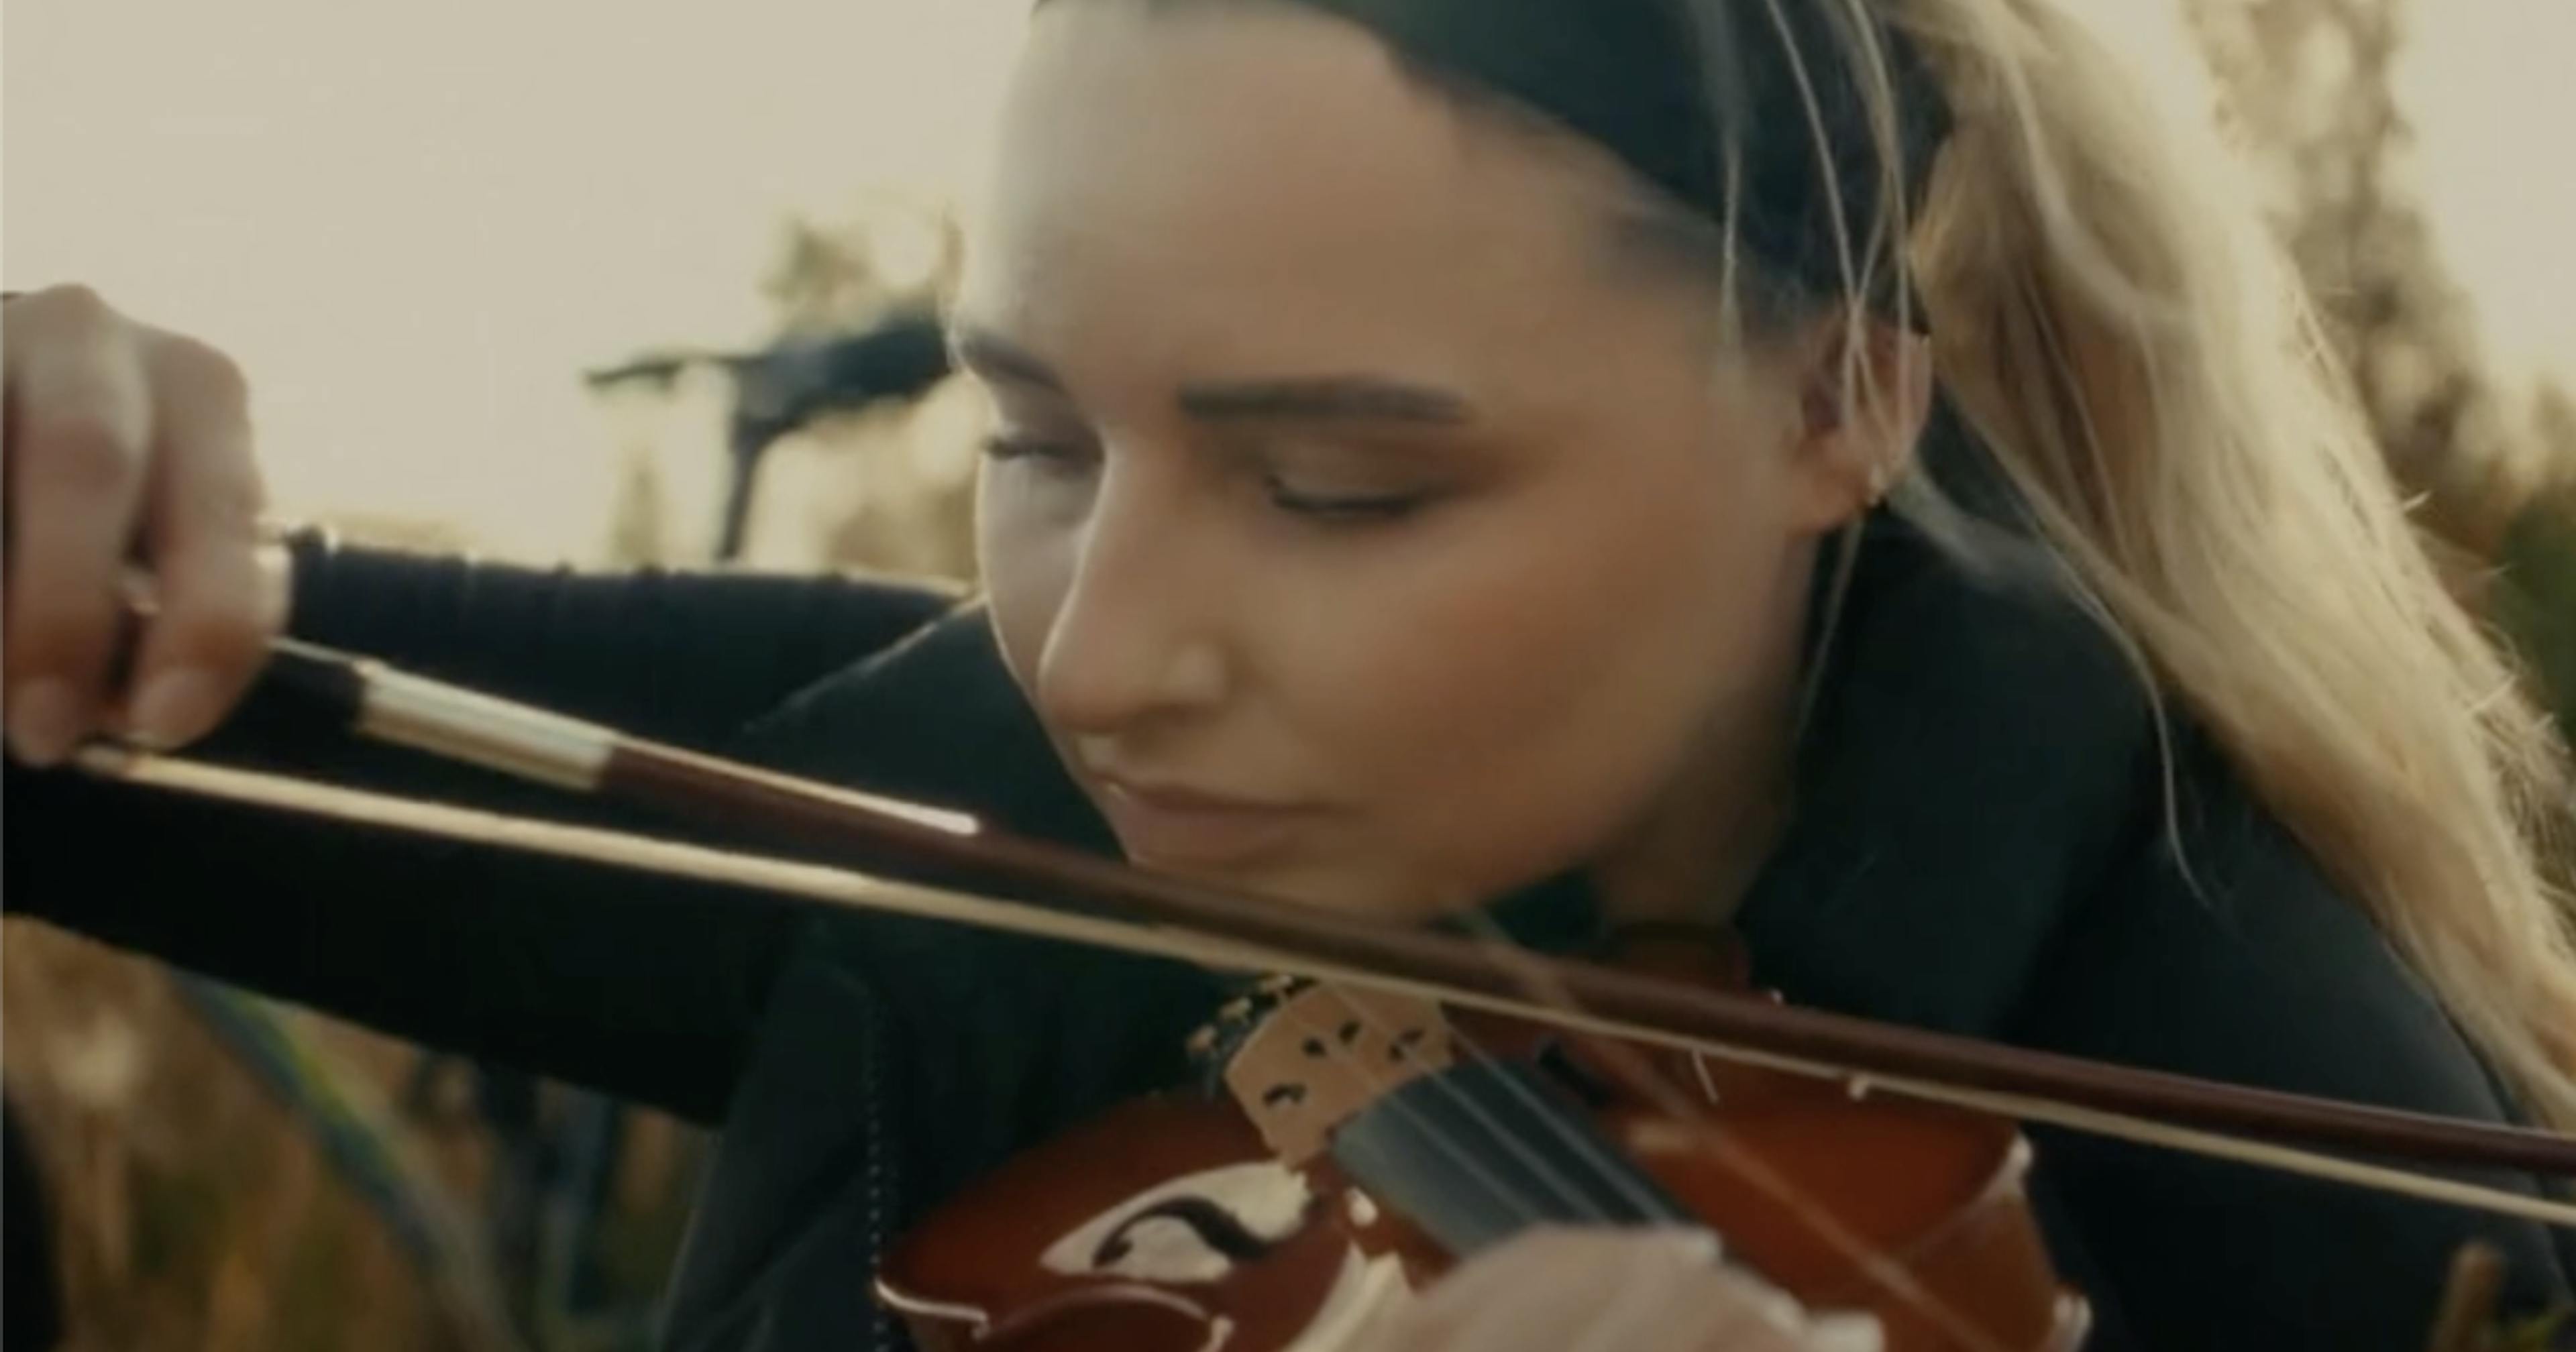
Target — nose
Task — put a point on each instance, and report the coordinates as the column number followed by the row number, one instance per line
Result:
column 1137, row 637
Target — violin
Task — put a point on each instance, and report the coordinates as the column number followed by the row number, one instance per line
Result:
column 1385, row 1102
column 1360, row 1143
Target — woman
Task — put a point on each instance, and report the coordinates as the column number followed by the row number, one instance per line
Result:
column 1839, row 472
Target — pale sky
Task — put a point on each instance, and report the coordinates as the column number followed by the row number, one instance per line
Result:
column 416, row 224
column 2492, row 84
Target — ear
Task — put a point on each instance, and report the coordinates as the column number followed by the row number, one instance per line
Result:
column 1864, row 394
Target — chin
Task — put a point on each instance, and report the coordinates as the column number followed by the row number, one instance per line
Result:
column 1341, row 888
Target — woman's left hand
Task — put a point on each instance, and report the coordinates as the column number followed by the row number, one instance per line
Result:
column 1601, row 1290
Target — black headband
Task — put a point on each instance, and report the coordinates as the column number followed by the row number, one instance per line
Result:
column 1666, row 85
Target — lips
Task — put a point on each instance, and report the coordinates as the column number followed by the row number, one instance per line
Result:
column 1168, row 824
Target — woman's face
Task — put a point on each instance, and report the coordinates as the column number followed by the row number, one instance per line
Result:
column 1362, row 530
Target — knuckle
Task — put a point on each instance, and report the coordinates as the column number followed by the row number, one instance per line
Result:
column 206, row 372
column 69, row 315
column 76, row 302
column 230, row 504
column 209, row 520
column 83, row 449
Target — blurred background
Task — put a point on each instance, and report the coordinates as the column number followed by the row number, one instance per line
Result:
column 619, row 284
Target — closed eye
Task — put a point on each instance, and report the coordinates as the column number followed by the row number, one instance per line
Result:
column 1072, row 456
column 1346, row 508
column 1057, row 452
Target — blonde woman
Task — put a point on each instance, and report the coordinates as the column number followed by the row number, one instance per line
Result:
column 1835, row 472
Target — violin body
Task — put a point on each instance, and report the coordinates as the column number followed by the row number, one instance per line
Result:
column 1361, row 1152
column 1163, row 1225
column 1782, row 1163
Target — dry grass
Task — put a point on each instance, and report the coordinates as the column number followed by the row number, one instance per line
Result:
column 193, row 1210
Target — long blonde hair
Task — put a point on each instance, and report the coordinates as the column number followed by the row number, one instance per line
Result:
column 2112, row 318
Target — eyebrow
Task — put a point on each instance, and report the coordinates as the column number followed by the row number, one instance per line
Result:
column 1339, row 398
column 997, row 358
column 1326, row 399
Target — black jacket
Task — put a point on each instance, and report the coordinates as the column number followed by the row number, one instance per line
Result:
column 1980, row 845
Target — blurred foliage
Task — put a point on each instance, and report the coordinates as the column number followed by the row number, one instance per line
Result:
column 907, row 471
column 190, row 1210
column 2536, row 597
column 887, row 487
column 838, row 275
column 2310, row 88
column 194, row 1207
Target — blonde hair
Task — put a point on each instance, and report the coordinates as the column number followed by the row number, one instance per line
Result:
column 2114, row 322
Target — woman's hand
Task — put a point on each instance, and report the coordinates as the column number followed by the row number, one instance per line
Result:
column 1588, row 1290
column 125, row 445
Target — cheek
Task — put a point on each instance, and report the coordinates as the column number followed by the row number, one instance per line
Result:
column 1520, row 691
column 1025, row 561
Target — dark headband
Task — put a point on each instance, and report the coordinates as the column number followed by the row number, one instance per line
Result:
column 1666, row 85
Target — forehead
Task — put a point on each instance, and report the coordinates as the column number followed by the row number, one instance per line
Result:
column 1250, row 182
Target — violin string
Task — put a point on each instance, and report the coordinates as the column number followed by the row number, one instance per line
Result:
column 1615, row 1174
column 1872, row 1263
column 1611, row 1172
column 1519, row 1202
column 1630, row 1304
column 1587, row 1151
column 1875, row 1265
column 844, row 887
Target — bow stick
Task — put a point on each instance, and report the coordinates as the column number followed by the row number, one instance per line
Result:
column 1126, row 908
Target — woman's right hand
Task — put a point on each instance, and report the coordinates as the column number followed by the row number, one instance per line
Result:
column 125, row 446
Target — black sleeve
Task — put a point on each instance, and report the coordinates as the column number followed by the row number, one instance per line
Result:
column 681, row 656
column 644, row 987
column 2266, row 976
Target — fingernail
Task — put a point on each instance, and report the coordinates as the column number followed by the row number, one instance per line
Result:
column 173, row 706
column 44, row 717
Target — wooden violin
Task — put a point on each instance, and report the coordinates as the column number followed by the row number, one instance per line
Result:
column 1363, row 1142
column 1388, row 1101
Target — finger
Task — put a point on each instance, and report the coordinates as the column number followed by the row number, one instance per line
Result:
column 1638, row 1311
column 1552, row 1287
column 79, row 424
column 1626, row 1291
column 1649, row 1295
column 1599, row 1290
column 210, row 634
column 1737, row 1312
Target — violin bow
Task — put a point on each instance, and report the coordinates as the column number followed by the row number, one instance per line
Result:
column 1104, row 903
